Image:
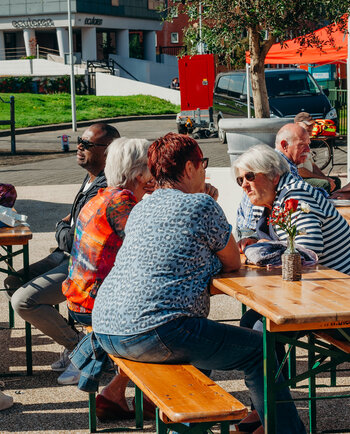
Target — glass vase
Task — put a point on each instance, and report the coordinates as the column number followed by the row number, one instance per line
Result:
column 291, row 262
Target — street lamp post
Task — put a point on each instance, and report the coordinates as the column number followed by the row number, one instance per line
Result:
column 72, row 79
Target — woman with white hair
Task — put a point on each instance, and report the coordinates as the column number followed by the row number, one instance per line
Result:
column 264, row 176
column 98, row 236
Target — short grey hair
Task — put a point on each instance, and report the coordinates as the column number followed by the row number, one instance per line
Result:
column 289, row 132
column 261, row 159
column 126, row 159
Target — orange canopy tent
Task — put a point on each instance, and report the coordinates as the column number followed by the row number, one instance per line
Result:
column 293, row 53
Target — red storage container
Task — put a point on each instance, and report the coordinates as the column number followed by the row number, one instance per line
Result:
column 197, row 77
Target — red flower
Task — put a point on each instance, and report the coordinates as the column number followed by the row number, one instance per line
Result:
column 291, row 205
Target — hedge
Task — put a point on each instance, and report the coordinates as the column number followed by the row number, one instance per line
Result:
column 42, row 85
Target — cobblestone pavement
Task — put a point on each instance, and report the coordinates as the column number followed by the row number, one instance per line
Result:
column 57, row 167
column 62, row 167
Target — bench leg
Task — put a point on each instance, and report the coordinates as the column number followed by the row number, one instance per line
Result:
column 225, row 427
column 333, row 375
column 92, row 412
column 161, row 427
column 11, row 316
column 29, row 358
column 138, row 407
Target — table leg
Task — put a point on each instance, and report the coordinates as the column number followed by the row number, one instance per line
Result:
column 10, row 265
column 292, row 364
column 312, row 384
column 269, row 381
column 28, row 329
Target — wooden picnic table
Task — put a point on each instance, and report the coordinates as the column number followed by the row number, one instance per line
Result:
column 10, row 237
column 345, row 212
column 321, row 300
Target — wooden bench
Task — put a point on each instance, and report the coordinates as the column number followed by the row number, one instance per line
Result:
column 341, row 345
column 181, row 393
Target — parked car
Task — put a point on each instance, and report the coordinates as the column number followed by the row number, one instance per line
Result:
column 290, row 91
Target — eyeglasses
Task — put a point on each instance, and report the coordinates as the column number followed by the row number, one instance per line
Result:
column 249, row 176
column 205, row 162
column 86, row 144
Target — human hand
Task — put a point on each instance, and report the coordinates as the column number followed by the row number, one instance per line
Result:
column 150, row 186
column 331, row 183
column 340, row 195
column 211, row 190
column 244, row 242
column 66, row 219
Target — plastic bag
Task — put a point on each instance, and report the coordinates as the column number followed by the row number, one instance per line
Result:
column 8, row 217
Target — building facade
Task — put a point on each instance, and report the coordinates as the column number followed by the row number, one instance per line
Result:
column 100, row 27
column 170, row 40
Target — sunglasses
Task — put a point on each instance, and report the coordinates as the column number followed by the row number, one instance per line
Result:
column 249, row 176
column 87, row 145
column 205, row 162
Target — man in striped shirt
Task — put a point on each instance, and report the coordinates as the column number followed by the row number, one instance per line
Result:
column 293, row 144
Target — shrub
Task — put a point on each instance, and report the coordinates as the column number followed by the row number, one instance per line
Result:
column 42, row 85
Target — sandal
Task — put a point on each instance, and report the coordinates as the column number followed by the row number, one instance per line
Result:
column 109, row 410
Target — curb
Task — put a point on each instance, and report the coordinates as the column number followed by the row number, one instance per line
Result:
column 68, row 125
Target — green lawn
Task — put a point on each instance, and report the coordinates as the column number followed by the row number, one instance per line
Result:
column 34, row 109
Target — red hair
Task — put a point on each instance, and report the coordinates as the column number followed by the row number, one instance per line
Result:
column 167, row 157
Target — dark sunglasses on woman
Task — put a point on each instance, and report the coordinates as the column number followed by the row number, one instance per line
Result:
column 249, row 176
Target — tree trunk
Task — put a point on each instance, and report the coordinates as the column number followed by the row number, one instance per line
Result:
column 258, row 51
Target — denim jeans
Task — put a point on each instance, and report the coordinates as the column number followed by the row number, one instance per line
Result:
column 80, row 318
column 208, row 345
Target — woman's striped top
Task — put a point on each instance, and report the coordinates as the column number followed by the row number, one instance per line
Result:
column 326, row 232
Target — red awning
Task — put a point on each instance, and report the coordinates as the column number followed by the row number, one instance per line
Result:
column 294, row 54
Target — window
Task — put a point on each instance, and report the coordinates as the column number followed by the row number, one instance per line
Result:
column 155, row 4
column 236, row 85
column 284, row 84
column 222, row 85
column 115, row 2
column 174, row 38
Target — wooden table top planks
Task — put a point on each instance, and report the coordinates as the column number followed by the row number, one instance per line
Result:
column 320, row 300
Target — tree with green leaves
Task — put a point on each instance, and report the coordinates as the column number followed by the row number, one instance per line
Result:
column 264, row 22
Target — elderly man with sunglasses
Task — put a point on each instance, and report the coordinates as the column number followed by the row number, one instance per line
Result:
column 34, row 300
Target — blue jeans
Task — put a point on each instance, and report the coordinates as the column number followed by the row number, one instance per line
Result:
column 208, row 345
column 80, row 318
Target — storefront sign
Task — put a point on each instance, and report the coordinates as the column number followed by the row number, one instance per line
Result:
column 321, row 75
column 93, row 21
column 30, row 23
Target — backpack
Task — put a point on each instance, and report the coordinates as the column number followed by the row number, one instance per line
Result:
column 8, row 195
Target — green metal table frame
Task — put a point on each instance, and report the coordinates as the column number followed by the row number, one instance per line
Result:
column 7, row 258
column 322, row 357
column 161, row 427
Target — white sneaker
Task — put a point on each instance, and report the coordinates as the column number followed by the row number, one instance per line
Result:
column 62, row 363
column 5, row 401
column 70, row 376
